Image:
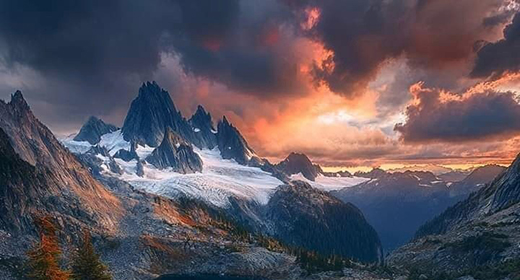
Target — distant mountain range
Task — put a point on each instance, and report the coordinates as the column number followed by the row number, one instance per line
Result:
column 478, row 234
column 398, row 203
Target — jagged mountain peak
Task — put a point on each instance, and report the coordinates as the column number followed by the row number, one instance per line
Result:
column 151, row 112
column 225, row 121
column 18, row 102
column 299, row 163
column 232, row 144
column 201, row 111
column 298, row 156
column 149, row 115
column 201, row 117
column 18, row 99
column 485, row 173
column 202, row 124
column 151, row 90
column 93, row 129
column 62, row 178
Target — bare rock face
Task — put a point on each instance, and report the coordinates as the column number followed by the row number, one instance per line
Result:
column 203, row 127
column 93, row 129
column 306, row 217
column 51, row 179
column 151, row 113
column 232, row 144
column 175, row 152
column 299, row 163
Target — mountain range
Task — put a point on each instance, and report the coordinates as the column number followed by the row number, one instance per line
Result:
column 398, row 203
column 165, row 192
column 477, row 237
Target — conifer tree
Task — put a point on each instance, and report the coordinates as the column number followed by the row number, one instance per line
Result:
column 44, row 259
column 87, row 264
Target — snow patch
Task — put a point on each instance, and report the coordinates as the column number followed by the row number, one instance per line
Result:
column 330, row 183
column 76, row 147
column 143, row 151
column 114, row 142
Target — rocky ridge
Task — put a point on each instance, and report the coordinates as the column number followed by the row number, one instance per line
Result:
column 482, row 230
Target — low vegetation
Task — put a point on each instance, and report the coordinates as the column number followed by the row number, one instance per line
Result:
column 45, row 262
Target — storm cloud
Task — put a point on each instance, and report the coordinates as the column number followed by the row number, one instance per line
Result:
column 364, row 34
column 437, row 116
column 495, row 59
column 293, row 60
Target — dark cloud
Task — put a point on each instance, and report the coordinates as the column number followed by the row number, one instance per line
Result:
column 494, row 59
column 253, row 55
column 89, row 57
column 84, row 39
column 364, row 34
column 487, row 115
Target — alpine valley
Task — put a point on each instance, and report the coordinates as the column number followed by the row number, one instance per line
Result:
column 166, row 196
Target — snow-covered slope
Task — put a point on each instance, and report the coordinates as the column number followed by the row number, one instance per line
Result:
column 219, row 179
column 330, row 183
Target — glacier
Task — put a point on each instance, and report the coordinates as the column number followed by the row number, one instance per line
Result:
column 219, row 180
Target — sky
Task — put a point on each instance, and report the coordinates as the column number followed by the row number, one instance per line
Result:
column 351, row 83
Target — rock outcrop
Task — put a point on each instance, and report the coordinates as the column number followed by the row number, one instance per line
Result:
column 203, row 127
column 232, row 144
column 176, row 153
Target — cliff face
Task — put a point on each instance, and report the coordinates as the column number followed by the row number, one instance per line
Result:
column 202, row 124
column 60, row 182
column 232, row 144
column 176, row 153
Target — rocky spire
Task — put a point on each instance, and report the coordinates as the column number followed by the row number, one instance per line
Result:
column 203, row 127
column 175, row 152
column 18, row 101
column 93, row 129
column 151, row 113
column 232, row 144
